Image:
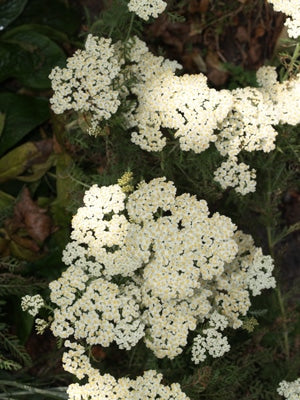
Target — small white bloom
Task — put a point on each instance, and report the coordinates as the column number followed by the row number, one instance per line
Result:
column 32, row 304
column 290, row 390
column 146, row 8
column 41, row 325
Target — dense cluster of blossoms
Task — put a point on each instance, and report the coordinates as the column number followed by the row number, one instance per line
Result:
column 154, row 266
column 146, row 387
column 292, row 9
column 290, row 390
column 184, row 104
column 242, row 119
column 236, row 175
column 146, row 8
column 87, row 82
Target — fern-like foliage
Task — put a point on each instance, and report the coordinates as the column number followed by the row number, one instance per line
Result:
column 10, row 344
column 8, row 365
column 11, row 264
column 13, row 355
column 12, row 282
column 17, row 285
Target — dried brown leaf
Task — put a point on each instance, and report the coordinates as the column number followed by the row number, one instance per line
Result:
column 29, row 216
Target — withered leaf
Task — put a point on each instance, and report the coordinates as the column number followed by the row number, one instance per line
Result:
column 24, row 158
column 28, row 215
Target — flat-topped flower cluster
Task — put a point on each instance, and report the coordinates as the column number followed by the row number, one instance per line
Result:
column 150, row 266
column 147, row 8
column 154, row 266
column 237, row 120
column 146, row 387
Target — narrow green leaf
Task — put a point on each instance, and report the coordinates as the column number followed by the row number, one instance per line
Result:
column 9, row 365
column 11, row 343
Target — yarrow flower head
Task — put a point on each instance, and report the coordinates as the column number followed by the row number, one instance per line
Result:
column 32, row 304
column 146, row 387
column 147, row 8
column 180, row 266
column 236, row 175
column 212, row 342
column 86, row 83
column 290, row 390
column 185, row 104
column 93, row 83
column 238, row 120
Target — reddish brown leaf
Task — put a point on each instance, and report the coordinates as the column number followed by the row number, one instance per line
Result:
column 98, row 353
column 242, row 35
column 198, row 6
column 215, row 72
column 28, row 215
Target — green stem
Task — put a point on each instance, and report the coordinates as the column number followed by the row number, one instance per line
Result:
column 130, row 27
column 26, row 389
column 292, row 62
column 277, row 289
column 70, row 177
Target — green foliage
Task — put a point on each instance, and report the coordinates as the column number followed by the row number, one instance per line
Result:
column 10, row 344
column 59, row 15
column 22, row 115
column 13, row 354
column 115, row 21
column 24, row 51
column 10, row 10
column 239, row 77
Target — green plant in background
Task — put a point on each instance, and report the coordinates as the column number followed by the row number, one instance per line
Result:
column 31, row 43
column 13, row 354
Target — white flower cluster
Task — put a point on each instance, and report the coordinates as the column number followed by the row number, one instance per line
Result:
column 87, row 82
column 146, row 8
column 236, row 175
column 290, row 390
column 248, row 126
column 153, row 266
column 40, row 325
column 242, row 119
column 285, row 96
column 211, row 342
column 146, row 387
column 93, row 80
column 184, row 104
column 292, row 9
column 32, row 304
